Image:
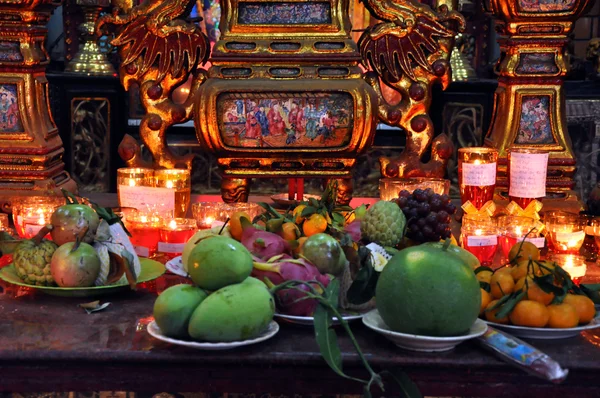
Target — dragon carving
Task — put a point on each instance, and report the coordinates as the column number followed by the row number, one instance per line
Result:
column 409, row 51
column 159, row 51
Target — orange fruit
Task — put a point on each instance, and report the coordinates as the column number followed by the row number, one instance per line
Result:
column 546, row 267
column 533, row 291
column 525, row 251
column 290, row 231
column 301, row 241
column 486, row 299
column 501, row 284
column 530, row 313
column 491, row 315
column 484, row 276
column 235, row 224
column 562, row 316
column 297, row 214
column 584, row 306
column 315, row 224
column 521, row 269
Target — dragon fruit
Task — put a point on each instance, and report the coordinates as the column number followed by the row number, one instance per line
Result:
column 353, row 229
column 284, row 268
column 263, row 244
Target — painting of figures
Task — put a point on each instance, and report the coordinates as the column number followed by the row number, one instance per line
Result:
column 10, row 119
column 284, row 13
column 10, row 51
column 546, row 5
column 286, row 120
column 534, row 126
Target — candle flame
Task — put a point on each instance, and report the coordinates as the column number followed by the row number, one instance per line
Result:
column 477, row 161
column 518, row 230
column 173, row 224
column 209, row 220
column 42, row 219
column 169, row 184
column 132, row 183
column 144, row 219
column 478, row 232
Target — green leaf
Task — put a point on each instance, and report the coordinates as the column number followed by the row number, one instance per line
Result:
column 363, row 287
column 485, row 286
column 500, row 302
column 308, row 211
column 510, row 304
column 592, row 291
column 338, row 218
column 546, row 283
column 408, row 387
column 326, row 337
column 313, row 202
column 366, row 392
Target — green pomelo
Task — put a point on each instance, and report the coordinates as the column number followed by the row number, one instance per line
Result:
column 174, row 308
column 428, row 290
column 219, row 261
column 233, row 313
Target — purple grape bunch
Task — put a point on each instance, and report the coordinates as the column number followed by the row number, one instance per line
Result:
column 427, row 214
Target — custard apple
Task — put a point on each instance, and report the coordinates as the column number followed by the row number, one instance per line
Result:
column 383, row 224
column 32, row 262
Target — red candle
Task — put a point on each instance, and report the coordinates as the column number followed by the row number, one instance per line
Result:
column 144, row 234
column 174, row 235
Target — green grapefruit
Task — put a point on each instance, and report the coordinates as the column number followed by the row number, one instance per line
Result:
column 428, row 290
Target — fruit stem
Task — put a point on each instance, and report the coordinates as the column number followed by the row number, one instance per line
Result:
column 76, row 245
column 224, row 225
column 37, row 239
column 447, row 243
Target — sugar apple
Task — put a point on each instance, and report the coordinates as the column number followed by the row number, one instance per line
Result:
column 384, row 224
column 32, row 261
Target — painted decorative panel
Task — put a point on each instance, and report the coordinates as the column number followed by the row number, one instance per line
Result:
column 284, row 13
column 10, row 118
column 546, row 5
column 534, row 125
column 537, row 64
column 10, row 51
column 284, row 120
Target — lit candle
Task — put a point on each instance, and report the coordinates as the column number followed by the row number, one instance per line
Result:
column 145, row 234
column 574, row 265
column 175, row 234
column 565, row 232
column 513, row 229
column 477, row 174
column 30, row 214
column 208, row 213
column 131, row 185
column 178, row 180
column 481, row 239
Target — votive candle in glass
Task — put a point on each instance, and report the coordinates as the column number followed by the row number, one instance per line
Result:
column 481, row 239
column 565, row 232
column 252, row 209
column 180, row 181
column 174, row 234
column 129, row 180
column 477, row 174
column 207, row 213
column 513, row 229
column 574, row 265
column 527, row 169
column 144, row 230
column 30, row 214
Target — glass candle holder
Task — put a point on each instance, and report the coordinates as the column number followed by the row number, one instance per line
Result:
column 573, row 264
column 30, row 214
column 565, row 232
column 207, row 213
column 129, row 180
column 180, row 181
column 125, row 212
column 174, row 234
column 527, row 169
column 481, row 239
column 593, row 230
column 477, row 174
column 144, row 230
column 512, row 229
column 252, row 209
column 389, row 188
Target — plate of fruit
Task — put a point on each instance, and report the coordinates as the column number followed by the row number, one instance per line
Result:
column 348, row 316
column 89, row 254
column 535, row 298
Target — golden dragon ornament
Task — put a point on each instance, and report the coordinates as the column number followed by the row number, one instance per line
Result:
column 409, row 51
column 159, row 51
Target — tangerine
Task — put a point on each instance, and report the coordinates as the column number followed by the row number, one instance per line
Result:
column 486, row 298
column 301, row 241
column 297, row 213
column 235, row 224
column 501, row 284
column 562, row 316
column 533, row 291
column 490, row 315
column 544, row 268
column 484, row 276
column 530, row 313
column 521, row 269
column 290, row 231
column 315, row 224
column 523, row 251
column 584, row 305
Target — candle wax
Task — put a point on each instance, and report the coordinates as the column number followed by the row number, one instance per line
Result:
column 144, row 239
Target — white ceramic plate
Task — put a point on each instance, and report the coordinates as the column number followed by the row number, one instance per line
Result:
column 309, row 320
column 546, row 333
column 155, row 332
column 415, row 342
column 175, row 266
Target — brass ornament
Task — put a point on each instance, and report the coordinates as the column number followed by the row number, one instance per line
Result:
column 159, row 51
column 30, row 148
column 409, row 51
column 90, row 59
column 529, row 108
